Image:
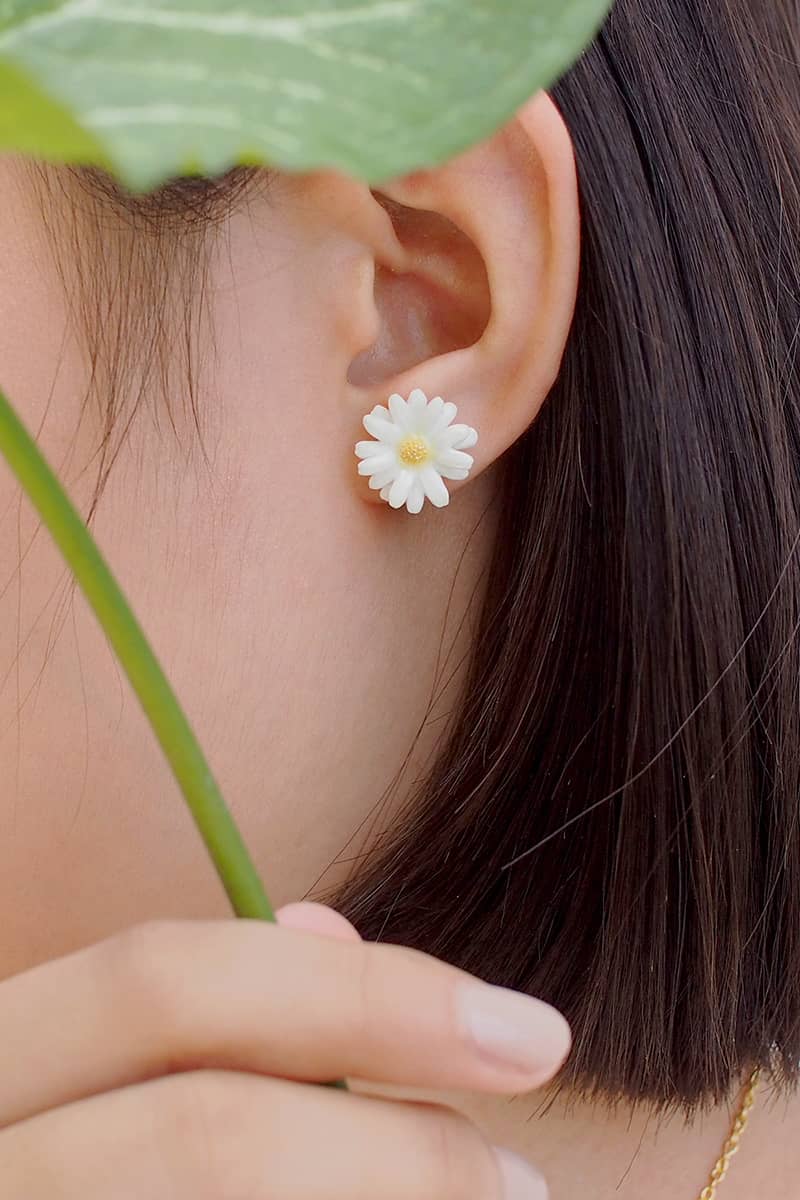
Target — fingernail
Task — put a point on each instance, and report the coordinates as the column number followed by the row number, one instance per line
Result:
column 521, row 1181
column 513, row 1030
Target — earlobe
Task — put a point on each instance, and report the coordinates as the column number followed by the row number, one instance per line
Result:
column 507, row 278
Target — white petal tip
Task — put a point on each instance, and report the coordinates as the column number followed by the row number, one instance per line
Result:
column 372, row 450
column 371, row 466
column 457, row 459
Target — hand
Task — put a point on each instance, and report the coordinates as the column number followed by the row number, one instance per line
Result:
column 173, row 1062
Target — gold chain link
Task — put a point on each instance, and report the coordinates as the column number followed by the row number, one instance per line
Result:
column 720, row 1169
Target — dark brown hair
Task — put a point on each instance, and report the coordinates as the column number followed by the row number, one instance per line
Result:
column 134, row 270
column 614, row 824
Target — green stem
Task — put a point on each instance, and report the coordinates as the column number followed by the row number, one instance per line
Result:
column 212, row 817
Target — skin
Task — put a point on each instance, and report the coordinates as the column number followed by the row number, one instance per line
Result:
column 300, row 621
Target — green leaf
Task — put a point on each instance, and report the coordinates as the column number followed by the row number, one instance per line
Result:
column 32, row 123
column 373, row 87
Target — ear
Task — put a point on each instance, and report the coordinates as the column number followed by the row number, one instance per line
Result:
column 480, row 310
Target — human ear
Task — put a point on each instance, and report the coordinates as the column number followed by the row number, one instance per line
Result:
column 481, row 309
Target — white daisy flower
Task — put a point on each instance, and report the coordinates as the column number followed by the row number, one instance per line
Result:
column 416, row 448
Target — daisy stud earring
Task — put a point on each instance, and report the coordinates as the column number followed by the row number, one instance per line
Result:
column 416, row 448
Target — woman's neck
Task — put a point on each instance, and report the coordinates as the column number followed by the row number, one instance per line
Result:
column 588, row 1151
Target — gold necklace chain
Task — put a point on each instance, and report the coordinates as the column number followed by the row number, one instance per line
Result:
column 720, row 1168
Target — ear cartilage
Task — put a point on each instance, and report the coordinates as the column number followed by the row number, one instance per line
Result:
column 416, row 448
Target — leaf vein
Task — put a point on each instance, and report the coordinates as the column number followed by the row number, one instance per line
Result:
column 171, row 114
column 278, row 27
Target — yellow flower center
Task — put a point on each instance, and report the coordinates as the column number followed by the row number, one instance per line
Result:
column 413, row 451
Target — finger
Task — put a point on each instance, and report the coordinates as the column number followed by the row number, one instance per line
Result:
column 317, row 918
column 251, row 996
column 205, row 1135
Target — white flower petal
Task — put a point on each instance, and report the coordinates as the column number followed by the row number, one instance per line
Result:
column 399, row 410
column 377, row 462
column 417, row 405
column 434, row 486
column 453, row 473
column 398, row 493
column 385, row 491
column 385, row 431
column 459, row 437
column 455, row 458
column 370, row 449
column 431, row 414
column 416, row 497
column 447, row 414
column 381, row 478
